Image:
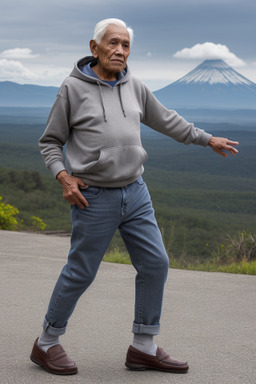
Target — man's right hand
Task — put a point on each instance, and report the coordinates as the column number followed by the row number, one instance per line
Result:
column 71, row 192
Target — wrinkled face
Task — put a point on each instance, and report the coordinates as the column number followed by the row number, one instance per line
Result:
column 113, row 50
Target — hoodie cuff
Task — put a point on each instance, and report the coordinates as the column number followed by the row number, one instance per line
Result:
column 204, row 139
column 56, row 168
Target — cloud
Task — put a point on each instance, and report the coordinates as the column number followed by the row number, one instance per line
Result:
column 209, row 51
column 14, row 70
column 51, row 75
column 18, row 53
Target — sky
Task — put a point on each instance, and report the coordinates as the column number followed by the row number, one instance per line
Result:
column 40, row 40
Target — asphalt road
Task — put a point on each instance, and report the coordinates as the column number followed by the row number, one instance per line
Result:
column 209, row 319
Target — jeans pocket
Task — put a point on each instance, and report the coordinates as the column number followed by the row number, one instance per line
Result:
column 91, row 192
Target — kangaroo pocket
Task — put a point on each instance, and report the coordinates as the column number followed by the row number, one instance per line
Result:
column 118, row 163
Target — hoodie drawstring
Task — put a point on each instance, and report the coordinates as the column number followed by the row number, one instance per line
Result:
column 121, row 101
column 102, row 101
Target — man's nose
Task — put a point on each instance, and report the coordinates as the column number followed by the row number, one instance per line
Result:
column 119, row 49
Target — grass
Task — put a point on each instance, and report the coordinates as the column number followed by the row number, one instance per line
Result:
column 118, row 257
column 244, row 268
column 240, row 268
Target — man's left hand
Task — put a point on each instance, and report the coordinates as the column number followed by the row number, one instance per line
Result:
column 220, row 144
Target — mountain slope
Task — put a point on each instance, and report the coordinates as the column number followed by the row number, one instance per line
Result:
column 213, row 84
column 17, row 95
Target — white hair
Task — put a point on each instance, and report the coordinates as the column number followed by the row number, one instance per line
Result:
column 102, row 25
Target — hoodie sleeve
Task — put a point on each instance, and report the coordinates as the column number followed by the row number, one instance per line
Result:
column 56, row 134
column 170, row 123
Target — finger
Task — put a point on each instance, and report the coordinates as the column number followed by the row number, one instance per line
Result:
column 232, row 150
column 82, row 184
column 220, row 152
column 82, row 205
column 82, row 202
column 76, row 198
column 232, row 142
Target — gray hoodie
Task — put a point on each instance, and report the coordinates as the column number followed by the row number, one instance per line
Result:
column 101, row 126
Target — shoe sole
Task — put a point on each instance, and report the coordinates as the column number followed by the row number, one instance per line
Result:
column 70, row 372
column 135, row 367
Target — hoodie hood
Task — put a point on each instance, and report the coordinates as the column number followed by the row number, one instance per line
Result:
column 122, row 78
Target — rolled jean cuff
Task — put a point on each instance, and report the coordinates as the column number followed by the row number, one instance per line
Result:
column 52, row 330
column 146, row 329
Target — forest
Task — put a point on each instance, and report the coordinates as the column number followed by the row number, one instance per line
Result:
column 199, row 197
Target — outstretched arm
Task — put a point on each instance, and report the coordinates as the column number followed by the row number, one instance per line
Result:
column 220, row 144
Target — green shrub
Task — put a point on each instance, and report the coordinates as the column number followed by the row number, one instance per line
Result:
column 37, row 223
column 7, row 213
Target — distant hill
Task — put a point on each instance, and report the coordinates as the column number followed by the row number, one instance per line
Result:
column 17, row 95
column 213, row 84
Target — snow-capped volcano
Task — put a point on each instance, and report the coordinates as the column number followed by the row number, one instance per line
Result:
column 212, row 84
column 215, row 72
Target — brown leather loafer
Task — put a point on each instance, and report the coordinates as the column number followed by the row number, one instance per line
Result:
column 139, row 361
column 54, row 361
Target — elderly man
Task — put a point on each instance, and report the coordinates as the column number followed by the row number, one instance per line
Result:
column 98, row 112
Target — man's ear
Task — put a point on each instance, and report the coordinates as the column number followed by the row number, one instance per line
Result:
column 94, row 48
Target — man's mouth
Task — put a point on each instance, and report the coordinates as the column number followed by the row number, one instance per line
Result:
column 117, row 61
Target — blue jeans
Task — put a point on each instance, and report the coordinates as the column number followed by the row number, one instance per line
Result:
column 128, row 209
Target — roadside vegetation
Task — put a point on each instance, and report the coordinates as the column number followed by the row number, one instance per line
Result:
column 9, row 219
column 237, row 255
column 204, row 204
